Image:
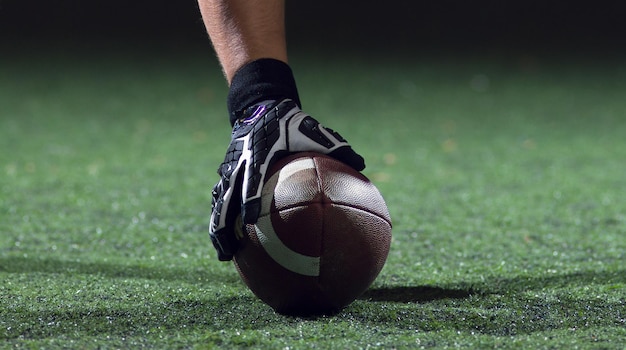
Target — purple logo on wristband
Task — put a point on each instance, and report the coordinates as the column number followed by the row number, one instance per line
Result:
column 258, row 112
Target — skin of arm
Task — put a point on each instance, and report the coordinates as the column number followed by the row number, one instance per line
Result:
column 245, row 30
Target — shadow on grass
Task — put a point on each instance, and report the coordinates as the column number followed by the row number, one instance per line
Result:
column 49, row 265
column 419, row 294
column 496, row 286
column 501, row 307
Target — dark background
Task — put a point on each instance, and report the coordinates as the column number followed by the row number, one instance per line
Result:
column 410, row 26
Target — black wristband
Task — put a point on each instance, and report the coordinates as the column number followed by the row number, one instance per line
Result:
column 260, row 80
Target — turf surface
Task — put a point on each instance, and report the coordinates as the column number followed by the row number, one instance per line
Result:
column 505, row 178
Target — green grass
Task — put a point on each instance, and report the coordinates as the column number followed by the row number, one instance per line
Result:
column 505, row 178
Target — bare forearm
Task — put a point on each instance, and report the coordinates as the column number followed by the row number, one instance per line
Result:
column 245, row 30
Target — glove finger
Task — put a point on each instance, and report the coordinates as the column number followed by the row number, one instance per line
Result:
column 251, row 201
column 216, row 193
column 225, row 209
column 231, row 198
column 347, row 155
column 328, row 138
column 217, row 206
column 251, row 210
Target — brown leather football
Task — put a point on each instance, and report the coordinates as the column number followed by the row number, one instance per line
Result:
column 321, row 239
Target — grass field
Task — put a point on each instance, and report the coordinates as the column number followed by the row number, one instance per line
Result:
column 505, row 178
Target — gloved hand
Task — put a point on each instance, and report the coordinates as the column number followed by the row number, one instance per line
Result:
column 265, row 133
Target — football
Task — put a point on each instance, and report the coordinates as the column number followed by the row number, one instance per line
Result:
column 321, row 239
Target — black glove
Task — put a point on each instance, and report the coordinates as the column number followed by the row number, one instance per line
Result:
column 265, row 133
